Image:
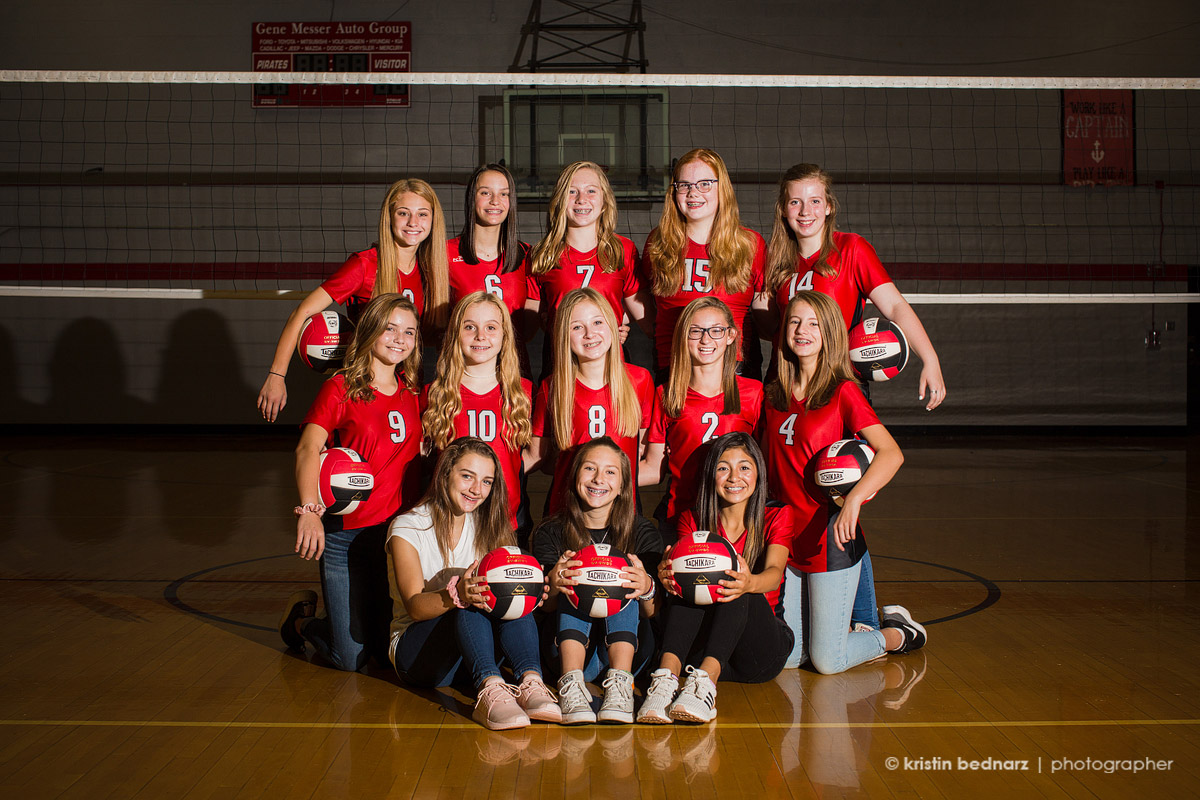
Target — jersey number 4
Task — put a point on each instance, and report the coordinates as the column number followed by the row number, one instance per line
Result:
column 788, row 429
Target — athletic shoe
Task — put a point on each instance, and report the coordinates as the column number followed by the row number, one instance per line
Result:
column 697, row 700
column 300, row 605
column 618, row 697
column 663, row 688
column 898, row 617
column 537, row 700
column 575, row 700
column 497, row 708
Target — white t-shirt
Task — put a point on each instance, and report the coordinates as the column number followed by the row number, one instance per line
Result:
column 416, row 528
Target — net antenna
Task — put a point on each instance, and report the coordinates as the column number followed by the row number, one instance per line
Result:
column 578, row 36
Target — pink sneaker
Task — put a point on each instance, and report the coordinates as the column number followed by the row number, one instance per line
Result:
column 497, row 708
column 537, row 700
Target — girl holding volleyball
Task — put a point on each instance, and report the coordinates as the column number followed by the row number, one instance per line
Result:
column 807, row 251
column 740, row 637
column 701, row 249
column 370, row 406
column 582, row 249
column 703, row 398
column 599, row 509
column 591, row 392
column 441, row 628
column 409, row 258
column 813, row 402
column 478, row 389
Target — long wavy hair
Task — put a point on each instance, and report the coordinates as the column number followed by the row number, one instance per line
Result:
column 833, row 361
column 561, row 394
column 708, row 503
column 356, row 368
column 548, row 252
column 675, row 393
column 512, row 251
column 730, row 248
column 621, row 516
column 783, row 251
column 445, row 396
column 492, row 525
column 431, row 253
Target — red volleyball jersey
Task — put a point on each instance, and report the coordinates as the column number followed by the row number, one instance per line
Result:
column 386, row 432
column 778, row 522
column 685, row 437
column 696, row 284
column 592, row 418
column 354, row 283
column 789, row 440
column 858, row 272
column 511, row 287
column 482, row 416
column 577, row 270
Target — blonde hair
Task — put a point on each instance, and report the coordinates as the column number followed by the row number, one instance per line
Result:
column 445, row 396
column 675, row 392
column 548, row 252
column 783, row 251
column 356, row 368
column 833, row 361
column 431, row 253
column 493, row 526
column 561, row 395
column 730, row 248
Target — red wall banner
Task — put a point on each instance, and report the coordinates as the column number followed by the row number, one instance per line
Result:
column 1098, row 137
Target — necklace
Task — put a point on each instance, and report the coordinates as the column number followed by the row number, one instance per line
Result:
column 469, row 374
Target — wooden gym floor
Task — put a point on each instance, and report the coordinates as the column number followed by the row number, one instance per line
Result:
column 142, row 577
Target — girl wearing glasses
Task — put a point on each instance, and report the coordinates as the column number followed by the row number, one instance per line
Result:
column 591, row 392
column 807, row 251
column 409, row 258
column 582, row 250
column 701, row 249
column 813, row 402
column 702, row 399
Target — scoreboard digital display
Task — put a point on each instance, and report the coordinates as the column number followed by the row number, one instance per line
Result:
column 383, row 47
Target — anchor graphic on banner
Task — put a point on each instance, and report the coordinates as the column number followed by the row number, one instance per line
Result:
column 1097, row 153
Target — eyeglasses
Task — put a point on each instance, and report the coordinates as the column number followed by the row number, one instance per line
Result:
column 714, row 333
column 703, row 187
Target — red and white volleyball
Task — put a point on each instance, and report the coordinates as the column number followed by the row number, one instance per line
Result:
column 599, row 592
column 699, row 560
column 323, row 341
column 514, row 582
column 346, row 480
column 838, row 467
column 878, row 349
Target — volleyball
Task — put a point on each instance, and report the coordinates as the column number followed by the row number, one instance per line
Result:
column 838, row 467
column 878, row 349
column 323, row 341
column 346, row 480
column 699, row 560
column 514, row 582
column 599, row 592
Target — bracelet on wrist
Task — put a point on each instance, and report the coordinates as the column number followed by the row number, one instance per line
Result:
column 452, row 590
column 650, row 594
column 309, row 508
column 273, row 372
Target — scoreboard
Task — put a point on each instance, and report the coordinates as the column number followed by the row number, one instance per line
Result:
column 383, row 47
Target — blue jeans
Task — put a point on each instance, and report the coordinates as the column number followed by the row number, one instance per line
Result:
column 865, row 609
column 358, row 607
column 461, row 644
column 817, row 607
column 620, row 627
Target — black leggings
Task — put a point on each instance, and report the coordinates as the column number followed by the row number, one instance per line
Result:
column 745, row 637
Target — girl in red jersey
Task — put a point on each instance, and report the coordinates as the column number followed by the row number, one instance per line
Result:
column 478, row 390
column 812, row 403
column 371, row 406
column 409, row 258
column 440, row 632
column 582, row 249
column 807, row 251
column 591, row 393
column 702, row 399
column 740, row 637
column 700, row 248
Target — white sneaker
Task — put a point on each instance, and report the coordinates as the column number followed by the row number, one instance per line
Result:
column 697, row 700
column 575, row 700
column 618, row 697
column 663, row 688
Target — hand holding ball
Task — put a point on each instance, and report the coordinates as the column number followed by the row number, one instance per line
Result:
column 699, row 561
column 345, row 480
column 838, row 468
column 878, row 349
column 598, row 588
column 514, row 583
